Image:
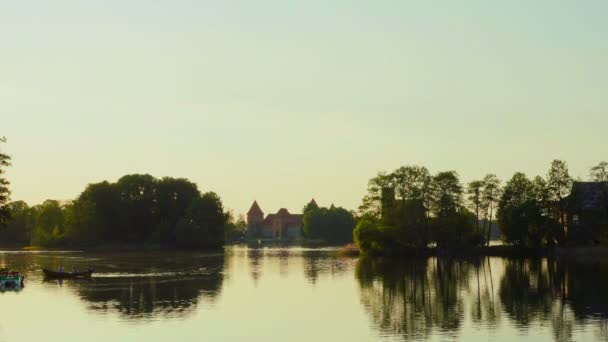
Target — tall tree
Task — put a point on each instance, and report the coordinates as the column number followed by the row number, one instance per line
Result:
column 447, row 194
column 599, row 173
column 474, row 193
column 559, row 184
column 5, row 193
column 371, row 206
column 410, row 181
column 516, row 193
column 490, row 195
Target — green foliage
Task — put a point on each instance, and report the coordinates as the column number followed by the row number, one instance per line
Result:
column 5, row 193
column 206, row 213
column 447, row 194
column 333, row 225
column 523, row 215
column 559, row 183
column 138, row 209
column 410, row 209
column 18, row 229
column 599, row 173
column 456, row 230
column 312, row 205
column 235, row 230
column 474, row 193
column 371, row 236
column 50, row 226
column 489, row 197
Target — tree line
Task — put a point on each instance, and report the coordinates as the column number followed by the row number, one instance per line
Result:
column 410, row 208
column 333, row 225
column 137, row 209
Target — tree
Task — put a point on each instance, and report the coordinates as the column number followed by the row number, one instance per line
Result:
column 490, row 194
column 204, row 223
column 410, row 181
column 474, row 192
column 138, row 209
column 19, row 227
column 107, row 219
column 447, row 193
column 312, row 205
column 370, row 206
column 5, row 193
column 137, row 197
column 334, row 225
column 235, row 230
column 559, row 184
column 49, row 228
column 599, row 173
column 522, row 215
column 453, row 225
column 518, row 190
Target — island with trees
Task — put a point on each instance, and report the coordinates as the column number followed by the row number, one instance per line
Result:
column 412, row 211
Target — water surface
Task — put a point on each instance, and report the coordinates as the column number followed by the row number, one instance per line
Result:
column 299, row 294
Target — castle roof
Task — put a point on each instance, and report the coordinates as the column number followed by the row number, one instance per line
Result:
column 284, row 216
column 590, row 195
column 283, row 211
column 255, row 209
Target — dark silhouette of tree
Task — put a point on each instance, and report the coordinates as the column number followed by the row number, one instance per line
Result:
column 18, row 229
column 522, row 213
column 490, row 195
column 136, row 210
column 559, row 184
column 474, row 192
column 5, row 193
column 333, row 225
column 599, row 172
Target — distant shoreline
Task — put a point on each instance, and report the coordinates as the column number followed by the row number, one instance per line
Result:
column 508, row 251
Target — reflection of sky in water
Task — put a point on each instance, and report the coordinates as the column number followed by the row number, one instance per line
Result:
column 303, row 294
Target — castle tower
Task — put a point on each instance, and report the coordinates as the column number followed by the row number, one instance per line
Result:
column 255, row 217
column 388, row 204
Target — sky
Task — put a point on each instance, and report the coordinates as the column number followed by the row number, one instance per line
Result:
column 283, row 101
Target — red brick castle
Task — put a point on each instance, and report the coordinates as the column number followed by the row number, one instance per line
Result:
column 281, row 225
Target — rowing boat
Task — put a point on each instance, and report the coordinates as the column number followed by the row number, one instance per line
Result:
column 67, row 275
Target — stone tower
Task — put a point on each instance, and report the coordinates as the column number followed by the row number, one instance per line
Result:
column 255, row 217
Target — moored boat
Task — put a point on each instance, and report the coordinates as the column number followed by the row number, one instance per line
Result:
column 10, row 280
column 67, row 275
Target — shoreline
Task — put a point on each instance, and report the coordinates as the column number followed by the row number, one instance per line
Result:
column 351, row 250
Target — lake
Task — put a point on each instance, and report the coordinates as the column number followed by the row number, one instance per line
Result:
column 300, row 294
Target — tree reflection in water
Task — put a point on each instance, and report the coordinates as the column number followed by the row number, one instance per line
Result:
column 415, row 298
column 411, row 297
column 167, row 290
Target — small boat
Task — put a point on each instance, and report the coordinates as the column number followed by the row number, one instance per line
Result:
column 67, row 275
column 10, row 280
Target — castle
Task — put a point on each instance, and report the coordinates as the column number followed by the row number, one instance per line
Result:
column 281, row 225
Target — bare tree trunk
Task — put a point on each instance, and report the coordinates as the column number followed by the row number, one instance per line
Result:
column 489, row 225
column 477, row 216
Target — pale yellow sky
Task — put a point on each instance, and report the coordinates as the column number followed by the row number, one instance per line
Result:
column 294, row 100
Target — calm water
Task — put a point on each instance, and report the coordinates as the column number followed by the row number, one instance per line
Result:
column 295, row 294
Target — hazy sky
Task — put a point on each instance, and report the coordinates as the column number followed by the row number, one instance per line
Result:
column 282, row 101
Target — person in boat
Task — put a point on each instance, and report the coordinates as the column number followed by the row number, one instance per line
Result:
column 75, row 269
column 60, row 269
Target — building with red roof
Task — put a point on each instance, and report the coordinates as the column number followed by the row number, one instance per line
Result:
column 282, row 225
